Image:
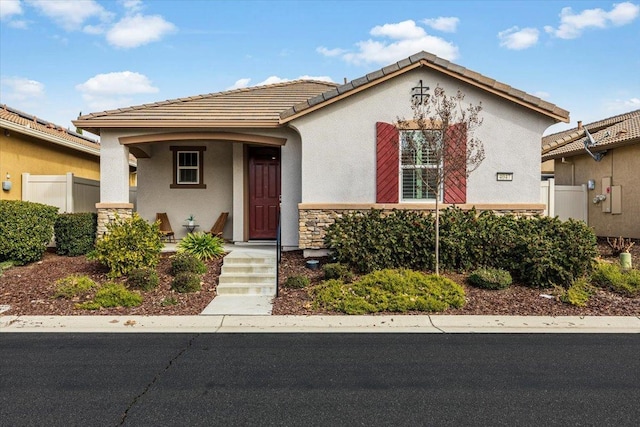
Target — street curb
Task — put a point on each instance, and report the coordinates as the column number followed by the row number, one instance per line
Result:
column 320, row 324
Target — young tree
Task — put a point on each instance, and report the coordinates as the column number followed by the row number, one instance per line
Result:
column 439, row 149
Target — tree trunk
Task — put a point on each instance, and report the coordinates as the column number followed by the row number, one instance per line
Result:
column 437, row 235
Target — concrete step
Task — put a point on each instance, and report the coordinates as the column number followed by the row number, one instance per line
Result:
column 232, row 278
column 247, row 289
column 248, row 268
column 243, row 258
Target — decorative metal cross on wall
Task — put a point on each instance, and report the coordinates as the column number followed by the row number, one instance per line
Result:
column 419, row 92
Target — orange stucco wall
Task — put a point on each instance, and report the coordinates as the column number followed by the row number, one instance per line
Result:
column 623, row 166
column 21, row 153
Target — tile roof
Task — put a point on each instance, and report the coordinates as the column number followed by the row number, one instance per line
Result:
column 623, row 129
column 277, row 104
column 425, row 59
column 26, row 123
column 257, row 106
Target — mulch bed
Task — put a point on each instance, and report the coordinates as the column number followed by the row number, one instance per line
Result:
column 517, row 300
column 28, row 290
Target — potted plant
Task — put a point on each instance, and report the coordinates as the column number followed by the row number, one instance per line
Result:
column 191, row 220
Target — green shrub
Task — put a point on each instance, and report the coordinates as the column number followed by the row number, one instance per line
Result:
column 186, row 282
column 297, row 282
column 25, row 230
column 75, row 233
column 538, row 251
column 129, row 244
column 184, row 262
column 389, row 290
column 203, row 246
column 73, row 286
column 144, row 278
column 112, row 295
column 490, row 278
column 337, row 271
column 612, row 276
column 551, row 252
column 578, row 293
column 374, row 240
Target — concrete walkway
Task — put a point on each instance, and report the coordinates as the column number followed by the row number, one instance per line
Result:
column 436, row 324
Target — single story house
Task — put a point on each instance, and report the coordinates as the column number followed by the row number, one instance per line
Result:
column 304, row 152
column 604, row 156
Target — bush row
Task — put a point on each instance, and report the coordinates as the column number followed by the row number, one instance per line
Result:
column 538, row 251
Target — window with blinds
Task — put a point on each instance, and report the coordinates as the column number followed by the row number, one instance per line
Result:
column 419, row 164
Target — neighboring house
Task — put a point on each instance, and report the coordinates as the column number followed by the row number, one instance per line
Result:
column 611, row 172
column 31, row 145
column 313, row 150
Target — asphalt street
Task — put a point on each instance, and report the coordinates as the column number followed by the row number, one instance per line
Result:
column 319, row 379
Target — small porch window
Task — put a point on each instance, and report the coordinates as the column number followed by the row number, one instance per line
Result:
column 188, row 170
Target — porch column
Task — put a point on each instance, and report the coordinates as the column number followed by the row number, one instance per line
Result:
column 238, row 192
column 114, row 181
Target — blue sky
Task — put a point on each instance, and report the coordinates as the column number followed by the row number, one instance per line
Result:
column 59, row 58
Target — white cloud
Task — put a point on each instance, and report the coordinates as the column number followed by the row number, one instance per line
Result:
column 407, row 39
column 123, row 82
column 132, row 6
column 542, row 94
column 239, row 84
column 517, row 39
column 623, row 13
column 445, row 24
column 20, row 89
column 138, row 30
column 242, row 83
column 400, row 31
column 9, row 8
column 19, row 24
column 623, row 105
column 317, row 78
column 111, row 90
column 330, row 52
column 572, row 25
column 71, row 14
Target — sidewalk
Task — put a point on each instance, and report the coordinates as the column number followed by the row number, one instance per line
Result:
column 320, row 324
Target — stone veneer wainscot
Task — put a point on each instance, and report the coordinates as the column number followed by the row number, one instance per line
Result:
column 108, row 212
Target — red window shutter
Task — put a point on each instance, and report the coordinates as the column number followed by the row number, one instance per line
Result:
column 455, row 164
column 387, row 163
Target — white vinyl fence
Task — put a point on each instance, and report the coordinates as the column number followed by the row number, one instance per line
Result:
column 68, row 193
column 564, row 201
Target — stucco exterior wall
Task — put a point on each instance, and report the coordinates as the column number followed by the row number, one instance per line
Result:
column 22, row 153
column 339, row 143
column 623, row 166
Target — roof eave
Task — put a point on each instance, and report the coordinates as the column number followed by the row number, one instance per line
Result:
column 390, row 72
column 96, row 125
column 50, row 138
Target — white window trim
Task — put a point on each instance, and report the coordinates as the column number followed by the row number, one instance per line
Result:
column 401, row 169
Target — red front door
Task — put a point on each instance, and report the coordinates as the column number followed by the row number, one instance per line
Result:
column 264, row 192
